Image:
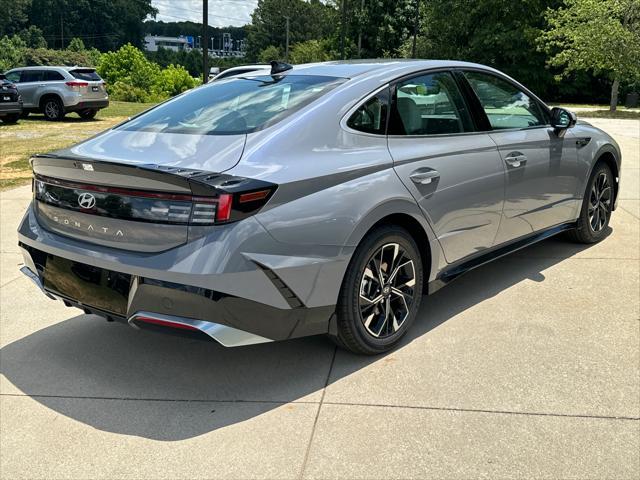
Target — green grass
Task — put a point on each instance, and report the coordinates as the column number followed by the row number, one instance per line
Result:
column 34, row 135
column 619, row 113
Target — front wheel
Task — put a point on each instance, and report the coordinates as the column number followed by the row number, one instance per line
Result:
column 596, row 207
column 381, row 292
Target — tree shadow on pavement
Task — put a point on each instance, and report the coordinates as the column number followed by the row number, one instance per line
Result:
column 162, row 387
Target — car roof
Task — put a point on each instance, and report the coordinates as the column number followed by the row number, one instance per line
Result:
column 53, row 67
column 395, row 67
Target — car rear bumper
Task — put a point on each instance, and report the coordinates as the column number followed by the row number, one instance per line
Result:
column 87, row 105
column 10, row 107
column 235, row 300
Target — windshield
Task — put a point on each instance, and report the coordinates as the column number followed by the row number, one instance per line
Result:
column 86, row 74
column 234, row 106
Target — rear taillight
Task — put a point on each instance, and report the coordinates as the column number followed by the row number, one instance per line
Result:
column 210, row 207
column 75, row 85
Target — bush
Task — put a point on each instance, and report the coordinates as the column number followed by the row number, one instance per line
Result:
column 310, row 51
column 269, row 54
column 174, row 80
column 129, row 65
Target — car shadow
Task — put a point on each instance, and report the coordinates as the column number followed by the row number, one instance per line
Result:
column 69, row 118
column 162, row 387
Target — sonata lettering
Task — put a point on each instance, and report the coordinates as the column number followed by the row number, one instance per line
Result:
column 88, row 226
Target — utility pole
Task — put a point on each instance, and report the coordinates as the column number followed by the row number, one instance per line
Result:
column 360, row 31
column 343, row 30
column 286, row 51
column 416, row 22
column 205, row 41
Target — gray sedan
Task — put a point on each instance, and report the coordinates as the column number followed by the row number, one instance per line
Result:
column 317, row 199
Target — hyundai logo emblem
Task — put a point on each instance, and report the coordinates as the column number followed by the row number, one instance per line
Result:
column 86, row 201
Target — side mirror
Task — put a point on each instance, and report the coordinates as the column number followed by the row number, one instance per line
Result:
column 561, row 119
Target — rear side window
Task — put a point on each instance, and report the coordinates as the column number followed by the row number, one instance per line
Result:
column 31, row 76
column 52, row 75
column 429, row 105
column 505, row 104
column 86, row 74
column 371, row 116
column 235, row 106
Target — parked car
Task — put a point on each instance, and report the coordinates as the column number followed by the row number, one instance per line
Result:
column 317, row 199
column 241, row 70
column 56, row 91
column 10, row 101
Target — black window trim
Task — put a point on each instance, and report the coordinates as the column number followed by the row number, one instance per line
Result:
column 475, row 101
column 360, row 103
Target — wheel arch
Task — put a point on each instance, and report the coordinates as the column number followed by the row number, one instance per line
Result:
column 609, row 156
column 47, row 96
column 407, row 215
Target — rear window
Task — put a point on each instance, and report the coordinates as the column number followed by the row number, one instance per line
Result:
column 88, row 75
column 234, row 106
column 52, row 75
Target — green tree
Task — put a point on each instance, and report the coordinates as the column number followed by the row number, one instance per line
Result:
column 14, row 16
column 11, row 52
column 308, row 20
column 76, row 45
column 174, row 80
column 310, row 51
column 599, row 36
column 33, row 37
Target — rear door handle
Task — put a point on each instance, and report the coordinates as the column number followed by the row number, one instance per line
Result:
column 424, row 177
column 515, row 159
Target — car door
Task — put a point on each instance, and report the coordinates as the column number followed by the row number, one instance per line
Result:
column 541, row 167
column 30, row 82
column 454, row 172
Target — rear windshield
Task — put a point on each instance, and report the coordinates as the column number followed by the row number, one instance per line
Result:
column 86, row 74
column 234, row 106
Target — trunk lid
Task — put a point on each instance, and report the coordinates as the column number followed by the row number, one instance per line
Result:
column 131, row 205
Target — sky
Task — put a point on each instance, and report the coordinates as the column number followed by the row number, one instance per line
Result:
column 222, row 13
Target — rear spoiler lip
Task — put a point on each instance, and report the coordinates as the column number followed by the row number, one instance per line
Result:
column 177, row 179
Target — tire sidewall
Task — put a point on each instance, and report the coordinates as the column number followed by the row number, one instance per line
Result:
column 352, row 291
column 58, row 103
column 585, row 225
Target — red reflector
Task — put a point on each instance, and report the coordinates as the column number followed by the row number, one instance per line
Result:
column 166, row 323
column 77, row 84
column 253, row 196
column 223, row 213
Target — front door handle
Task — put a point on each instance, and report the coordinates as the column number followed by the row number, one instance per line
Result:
column 424, row 177
column 515, row 159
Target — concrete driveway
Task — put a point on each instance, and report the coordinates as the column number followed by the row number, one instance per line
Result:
column 526, row 368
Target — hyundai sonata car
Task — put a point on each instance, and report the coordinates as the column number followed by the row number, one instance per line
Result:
column 316, row 199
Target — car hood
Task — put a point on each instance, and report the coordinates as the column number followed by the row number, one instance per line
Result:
column 213, row 153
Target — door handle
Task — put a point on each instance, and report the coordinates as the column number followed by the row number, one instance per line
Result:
column 424, row 177
column 515, row 159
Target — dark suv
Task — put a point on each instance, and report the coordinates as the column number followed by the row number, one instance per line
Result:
column 10, row 101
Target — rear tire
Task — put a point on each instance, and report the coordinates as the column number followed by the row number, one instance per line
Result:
column 88, row 114
column 24, row 114
column 381, row 292
column 597, row 205
column 11, row 118
column 53, row 109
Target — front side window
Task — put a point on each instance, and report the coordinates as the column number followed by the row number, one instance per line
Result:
column 234, row 106
column 429, row 105
column 371, row 116
column 506, row 105
column 13, row 77
column 31, row 76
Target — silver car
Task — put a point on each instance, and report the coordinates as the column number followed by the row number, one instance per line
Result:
column 56, row 91
column 317, row 199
